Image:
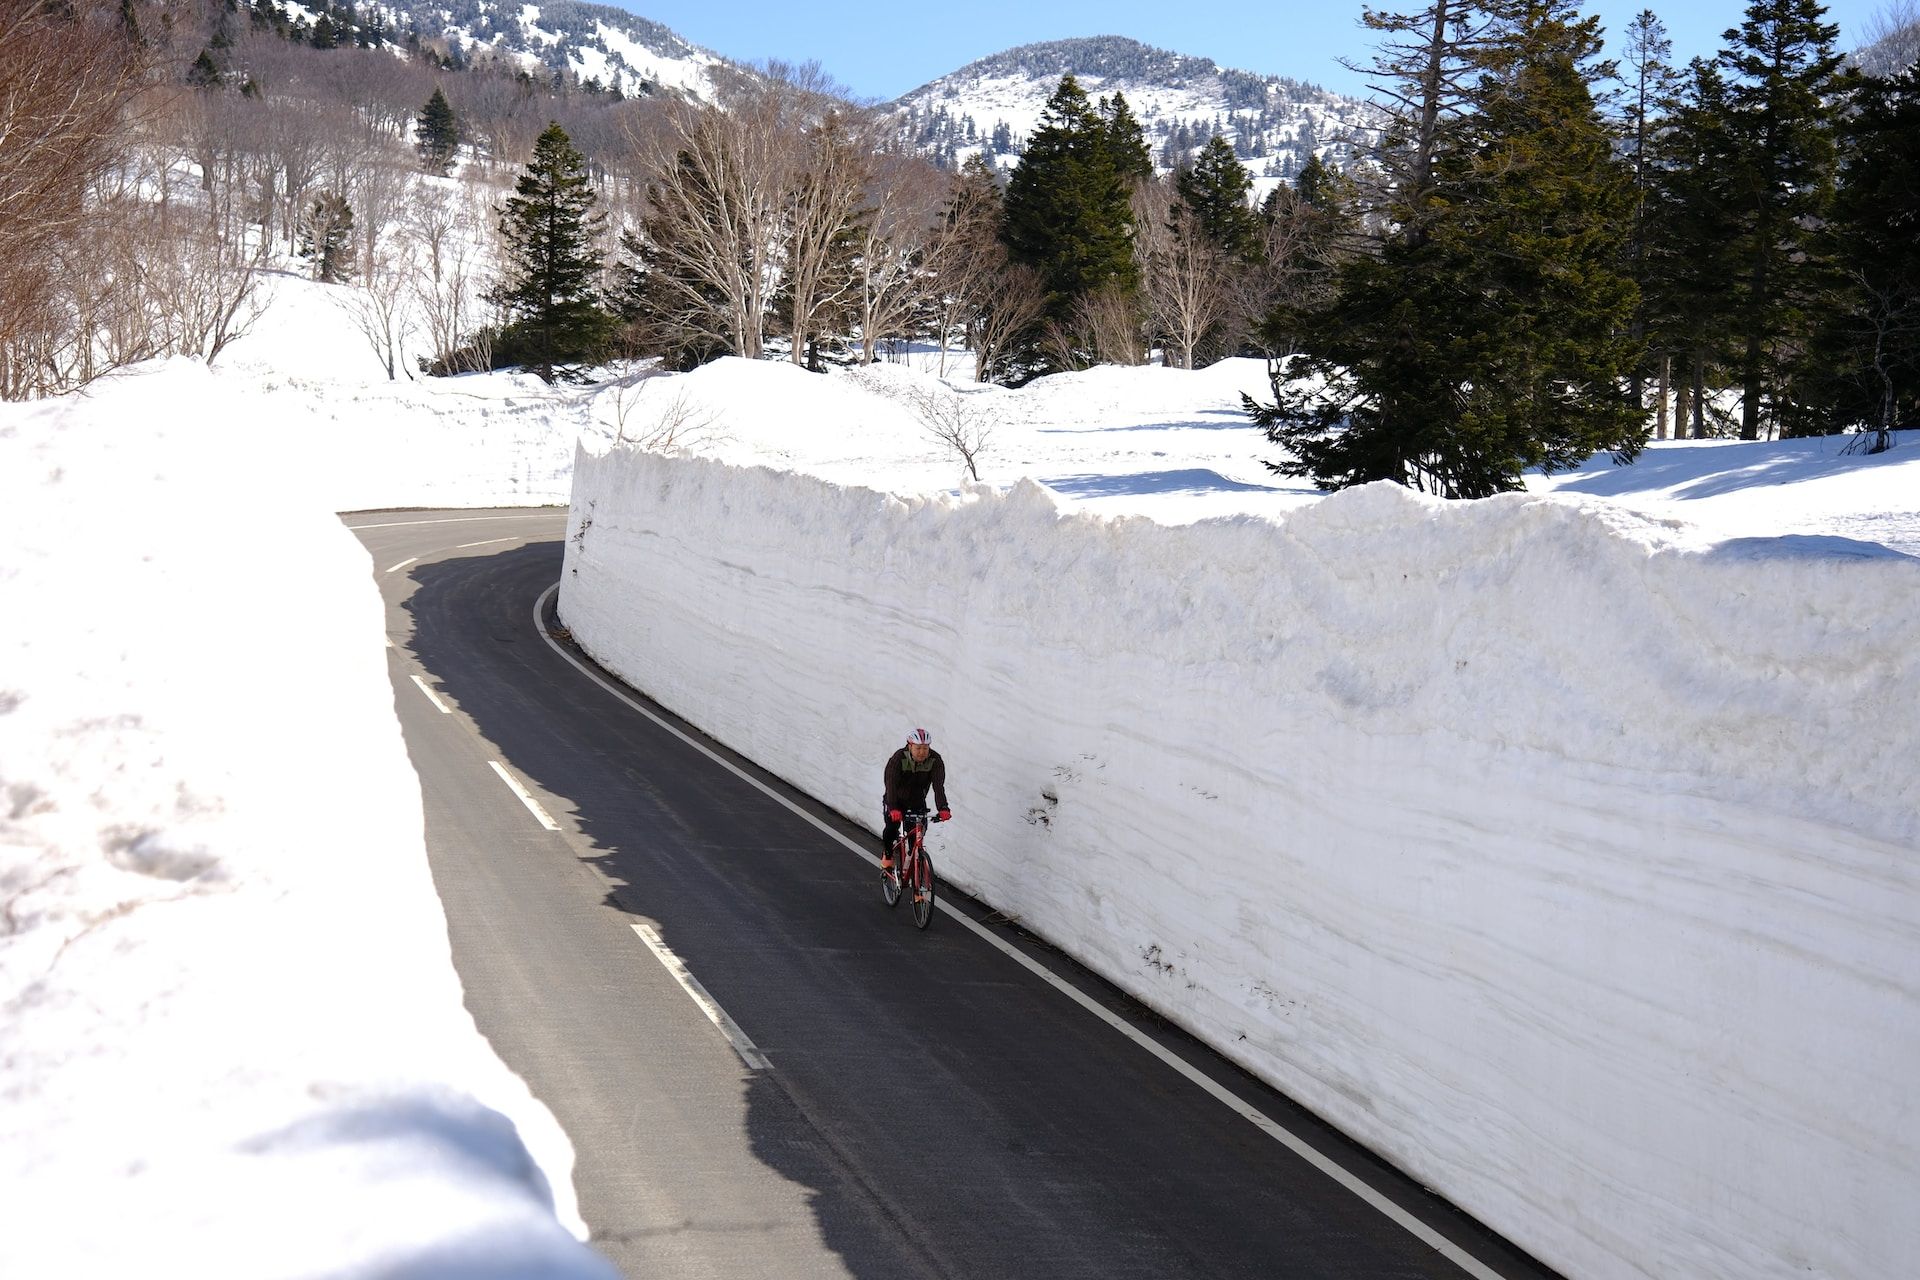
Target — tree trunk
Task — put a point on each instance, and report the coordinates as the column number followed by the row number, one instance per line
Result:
column 1660, row 421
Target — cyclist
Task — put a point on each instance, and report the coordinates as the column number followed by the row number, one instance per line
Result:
column 910, row 771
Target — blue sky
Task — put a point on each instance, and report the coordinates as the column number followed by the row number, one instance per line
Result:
column 883, row 51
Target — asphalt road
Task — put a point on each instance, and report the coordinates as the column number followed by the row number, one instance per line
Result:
column 891, row 1103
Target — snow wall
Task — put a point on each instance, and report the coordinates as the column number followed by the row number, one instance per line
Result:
column 234, row 1041
column 1563, row 860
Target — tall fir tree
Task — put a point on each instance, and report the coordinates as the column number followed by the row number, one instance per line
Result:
column 1490, row 334
column 1215, row 189
column 548, row 287
column 1784, row 83
column 1865, row 365
column 1648, row 87
column 436, row 134
column 1068, row 211
column 1126, row 142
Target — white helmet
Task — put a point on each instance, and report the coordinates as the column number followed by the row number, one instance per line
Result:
column 920, row 738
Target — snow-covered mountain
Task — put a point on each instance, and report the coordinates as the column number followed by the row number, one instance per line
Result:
column 1274, row 122
column 987, row 106
column 597, row 43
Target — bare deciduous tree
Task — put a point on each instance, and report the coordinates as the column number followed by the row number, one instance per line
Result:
column 824, row 206
column 663, row 421
column 1003, row 306
column 895, row 276
column 961, row 420
column 714, row 218
column 67, row 73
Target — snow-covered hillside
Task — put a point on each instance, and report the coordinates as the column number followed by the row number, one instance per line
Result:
column 992, row 105
column 609, row 46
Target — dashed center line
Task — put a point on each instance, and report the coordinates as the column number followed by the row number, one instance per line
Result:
column 403, row 564
column 432, row 697
column 748, row 1051
column 526, row 797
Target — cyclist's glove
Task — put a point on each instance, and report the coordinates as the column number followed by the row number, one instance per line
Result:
column 946, row 815
column 893, row 815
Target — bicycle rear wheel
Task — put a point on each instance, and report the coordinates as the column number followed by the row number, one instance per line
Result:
column 890, row 882
column 922, row 890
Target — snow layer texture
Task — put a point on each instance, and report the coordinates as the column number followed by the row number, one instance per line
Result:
column 234, row 1039
column 1562, row 856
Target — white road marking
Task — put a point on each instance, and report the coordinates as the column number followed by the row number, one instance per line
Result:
column 397, row 524
column 748, row 1051
column 1259, row 1119
column 489, row 542
column 526, row 797
column 432, row 697
column 403, row 564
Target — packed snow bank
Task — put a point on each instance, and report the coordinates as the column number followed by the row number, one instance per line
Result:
column 1563, row 857
column 235, row 1043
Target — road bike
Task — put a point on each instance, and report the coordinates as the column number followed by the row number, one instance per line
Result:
column 912, row 873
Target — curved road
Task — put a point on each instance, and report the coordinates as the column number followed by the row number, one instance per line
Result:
column 853, row 1098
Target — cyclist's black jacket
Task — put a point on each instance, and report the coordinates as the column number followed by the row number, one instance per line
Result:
column 907, row 781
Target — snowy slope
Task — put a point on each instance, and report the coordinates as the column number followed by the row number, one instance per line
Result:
column 617, row 48
column 235, row 1042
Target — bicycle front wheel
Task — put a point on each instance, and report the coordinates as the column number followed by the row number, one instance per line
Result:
column 922, row 890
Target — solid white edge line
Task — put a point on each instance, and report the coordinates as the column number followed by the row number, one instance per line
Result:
column 526, row 797
column 399, row 524
column 489, row 542
column 1259, row 1119
column 748, row 1051
column 432, row 697
column 403, row 564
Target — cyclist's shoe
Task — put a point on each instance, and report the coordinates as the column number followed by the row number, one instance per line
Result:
column 886, row 864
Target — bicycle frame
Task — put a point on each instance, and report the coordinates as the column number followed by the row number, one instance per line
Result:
column 913, row 866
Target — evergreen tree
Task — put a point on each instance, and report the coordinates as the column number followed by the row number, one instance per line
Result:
column 549, row 226
column 1689, row 239
column 1782, row 94
column 1865, row 366
column 1651, row 84
column 1490, row 334
column 326, row 237
column 436, row 134
column 324, row 35
column 1068, row 212
column 204, row 73
column 1125, row 143
column 1215, row 189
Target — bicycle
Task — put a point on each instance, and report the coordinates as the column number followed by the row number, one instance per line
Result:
column 912, row 867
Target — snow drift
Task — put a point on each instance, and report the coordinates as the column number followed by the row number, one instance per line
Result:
column 234, row 1039
column 1562, row 856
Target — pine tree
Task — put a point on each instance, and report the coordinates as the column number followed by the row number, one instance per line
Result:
column 436, row 134
column 1782, row 94
column 1651, row 84
column 1689, row 238
column 1215, row 189
column 326, row 237
column 324, row 36
column 1489, row 335
column 550, row 226
column 1068, row 213
column 1125, row 143
column 1865, row 365
column 205, row 72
